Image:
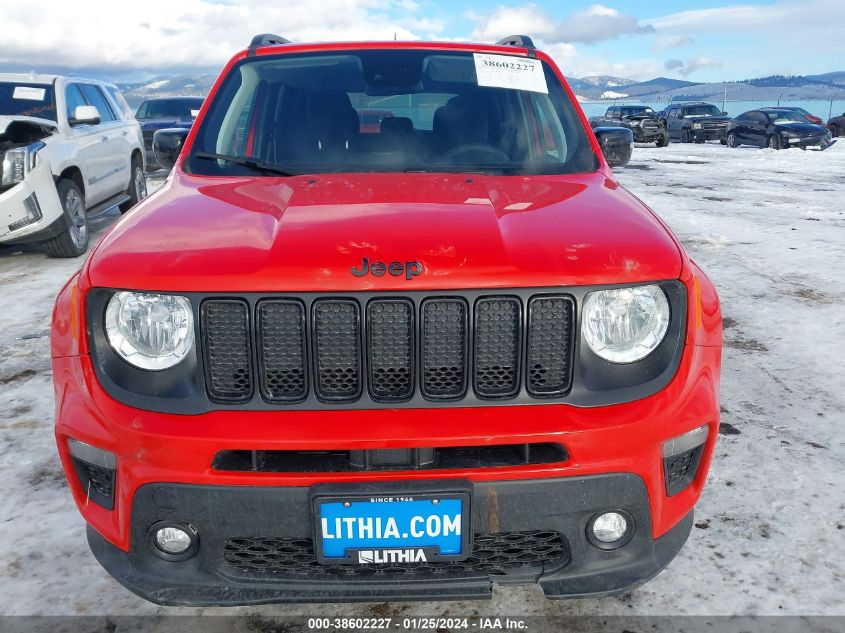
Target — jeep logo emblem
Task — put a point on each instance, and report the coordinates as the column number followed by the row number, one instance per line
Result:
column 396, row 269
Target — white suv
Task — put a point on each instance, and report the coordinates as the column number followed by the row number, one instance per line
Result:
column 70, row 149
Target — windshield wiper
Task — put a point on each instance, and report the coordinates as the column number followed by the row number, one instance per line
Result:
column 253, row 164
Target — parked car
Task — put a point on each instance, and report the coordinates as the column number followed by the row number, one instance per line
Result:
column 165, row 112
column 811, row 118
column 641, row 120
column 70, row 150
column 776, row 128
column 696, row 122
column 836, row 125
column 322, row 365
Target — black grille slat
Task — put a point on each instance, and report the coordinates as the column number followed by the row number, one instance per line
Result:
column 549, row 360
column 337, row 349
column 497, row 346
column 444, row 348
column 227, row 350
column 281, row 344
column 390, row 349
column 492, row 555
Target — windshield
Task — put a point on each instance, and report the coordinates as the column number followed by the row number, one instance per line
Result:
column 636, row 110
column 702, row 110
column 392, row 110
column 24, row 99
column 786, row 116
column 169, row 109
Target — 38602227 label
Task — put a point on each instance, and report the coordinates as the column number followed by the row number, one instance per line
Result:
column 508, row 71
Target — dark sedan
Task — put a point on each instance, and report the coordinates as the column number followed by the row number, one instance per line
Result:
column 837, row 125
column 776, row 128
column 165, row 112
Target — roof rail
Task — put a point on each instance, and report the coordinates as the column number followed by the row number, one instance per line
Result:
column 266, row 39
column 516, row 40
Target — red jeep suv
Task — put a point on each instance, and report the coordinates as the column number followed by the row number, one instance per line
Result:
column 322, row 364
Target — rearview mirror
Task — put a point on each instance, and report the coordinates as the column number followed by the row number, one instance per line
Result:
column 87, row 115
column 617, row 144
column 167, row 144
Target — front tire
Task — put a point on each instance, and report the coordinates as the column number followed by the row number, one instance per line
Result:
column 663, row 141
column 74, row 241
column 686, row 137
column 137, row 189
column 835, row 131
column 774, row 142
column 731, row 140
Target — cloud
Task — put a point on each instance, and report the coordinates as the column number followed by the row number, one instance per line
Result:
column 595, row 24
column 599, row 23
column 691, row 65
column 506, row 21
column 189, row 33
column 666, row 42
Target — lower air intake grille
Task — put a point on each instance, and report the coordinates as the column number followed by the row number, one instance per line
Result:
column 337, row 333
column 497, row 328
column 281, row 332
column 549, row 342
column 227, row 350
column 492, row 554
column 444, row 343
column 390, row 324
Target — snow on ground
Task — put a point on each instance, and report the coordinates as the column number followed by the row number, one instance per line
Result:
column 769, row 227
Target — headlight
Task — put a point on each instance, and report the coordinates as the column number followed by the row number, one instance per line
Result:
column 624, row 325
column 789, row 134
column 696, row 126
column 18, row 162
column 636, row 123
column 150, row 331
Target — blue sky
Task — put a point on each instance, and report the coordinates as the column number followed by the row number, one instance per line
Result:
column 698, row 40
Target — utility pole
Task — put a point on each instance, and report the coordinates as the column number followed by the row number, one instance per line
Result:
column 725, row 97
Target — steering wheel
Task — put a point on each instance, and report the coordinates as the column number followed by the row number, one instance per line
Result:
column 496, row 155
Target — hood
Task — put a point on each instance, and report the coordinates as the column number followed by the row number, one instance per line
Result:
column 637, row 117
column 7, row 119
column 306, row 233
column 801, row 128
column 707, row 117
column 162, row 123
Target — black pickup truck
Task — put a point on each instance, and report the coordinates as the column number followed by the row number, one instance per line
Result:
column 641, row 120
column 695, row 122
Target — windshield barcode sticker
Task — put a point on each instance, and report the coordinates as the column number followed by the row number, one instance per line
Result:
column 29, row 93
column 508, row 71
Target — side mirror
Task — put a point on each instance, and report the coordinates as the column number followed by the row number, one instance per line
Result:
column 617, row 144
column 725, row 113
column 167, row 144
column 87, row 115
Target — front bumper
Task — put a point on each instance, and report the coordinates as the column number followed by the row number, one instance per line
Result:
column 709, row 134
column 647, row 136
column 37, row 191
column 219, row 513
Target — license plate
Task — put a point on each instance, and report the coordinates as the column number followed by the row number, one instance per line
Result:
column 391, row 528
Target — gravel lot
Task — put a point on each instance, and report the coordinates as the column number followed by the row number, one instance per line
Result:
column 769, row 227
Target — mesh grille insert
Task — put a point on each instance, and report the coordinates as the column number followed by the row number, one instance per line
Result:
column 497, row 334
column 227, row 350
column 444, row 343
column 549, row 345
column 337, row 353
column 390, row 326
column 281, row 342
column 492, row 555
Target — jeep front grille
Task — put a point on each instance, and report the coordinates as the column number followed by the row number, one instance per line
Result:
column 388, row 349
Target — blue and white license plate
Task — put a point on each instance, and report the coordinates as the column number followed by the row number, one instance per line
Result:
column 392, row 528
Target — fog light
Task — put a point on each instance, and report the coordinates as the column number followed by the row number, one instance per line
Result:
column 610, row 530
column 173, row 541
column 610, row 527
